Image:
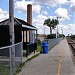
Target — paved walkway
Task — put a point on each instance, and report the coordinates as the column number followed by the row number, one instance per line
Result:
column 57, row 62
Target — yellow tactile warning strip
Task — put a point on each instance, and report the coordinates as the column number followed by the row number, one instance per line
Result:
column 60, row 63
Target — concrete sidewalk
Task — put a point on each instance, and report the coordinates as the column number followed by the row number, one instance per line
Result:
column 57, row 62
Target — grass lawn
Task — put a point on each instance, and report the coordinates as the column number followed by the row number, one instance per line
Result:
column 4, row 69
column 38, row 48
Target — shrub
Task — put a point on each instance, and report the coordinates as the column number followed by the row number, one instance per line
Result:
column 73, row 37
column 51, row 36
column 38, row 42
column 61, row 35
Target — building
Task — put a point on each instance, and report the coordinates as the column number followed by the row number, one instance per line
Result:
column 21, row 29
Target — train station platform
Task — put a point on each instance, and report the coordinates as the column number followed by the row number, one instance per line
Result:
column 57, row 62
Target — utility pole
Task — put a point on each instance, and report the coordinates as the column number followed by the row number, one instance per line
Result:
column 62, row 30
column 57, row 33
column 57, row 30
column 44, row 33
column 11, row 31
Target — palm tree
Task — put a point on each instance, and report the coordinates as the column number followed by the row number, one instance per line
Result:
column 54, row 23
column 51, row 23
column 48, row 23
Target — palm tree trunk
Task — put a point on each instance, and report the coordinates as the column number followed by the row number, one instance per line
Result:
column 50, row 30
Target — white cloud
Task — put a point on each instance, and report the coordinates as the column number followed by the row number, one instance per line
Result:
column 72, row 2
column 67, row 29
column 72, row 5
column 22, row 6
column 47, row 7
column 45, row 12
column 63, row 13
column 72, row 8
column 39, row 19
column 38, row 22
column 51, row 3
column 3, row 15
column 52, row 17
column 55, row 17
column 36, row 8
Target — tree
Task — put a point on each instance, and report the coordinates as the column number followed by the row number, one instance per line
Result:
column 51, row 23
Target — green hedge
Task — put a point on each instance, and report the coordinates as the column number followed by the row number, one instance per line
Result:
column 61, row 35
column 51, row 36
column 72, row 37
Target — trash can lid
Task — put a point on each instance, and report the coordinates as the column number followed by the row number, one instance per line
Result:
column 45, row 43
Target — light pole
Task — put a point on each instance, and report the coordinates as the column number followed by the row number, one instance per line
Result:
column 57, row 30
column 57, row 33
column 62, row 31
column 44, row 32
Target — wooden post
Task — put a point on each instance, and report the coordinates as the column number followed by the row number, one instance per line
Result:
column 23, row 36
column 26, row 45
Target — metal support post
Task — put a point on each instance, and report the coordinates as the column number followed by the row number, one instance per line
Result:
column 11, row 30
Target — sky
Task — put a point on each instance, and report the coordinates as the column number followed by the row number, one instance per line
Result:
column 42, row 10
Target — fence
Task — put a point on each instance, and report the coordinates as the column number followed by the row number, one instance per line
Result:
column 53, row 42
column 5, row 58
column 31, row 47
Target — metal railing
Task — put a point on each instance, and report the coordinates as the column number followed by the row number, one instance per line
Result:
column 5, row 58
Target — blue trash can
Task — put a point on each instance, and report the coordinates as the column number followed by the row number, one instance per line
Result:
column 45, row 47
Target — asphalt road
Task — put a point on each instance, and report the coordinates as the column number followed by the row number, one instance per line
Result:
column 57, row 62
